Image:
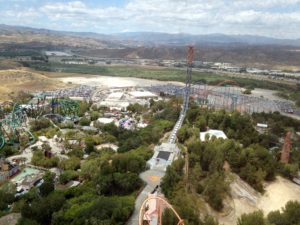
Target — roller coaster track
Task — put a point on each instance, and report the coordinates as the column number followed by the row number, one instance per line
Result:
column 13, row 124
column 140, row 211
column 14, row 120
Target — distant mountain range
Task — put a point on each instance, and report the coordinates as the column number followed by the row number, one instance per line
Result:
column 153, row 38
column 210, row 39
column 243, row 50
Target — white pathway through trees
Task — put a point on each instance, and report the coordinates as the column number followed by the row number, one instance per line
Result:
column 153, row 176
column 165, row 153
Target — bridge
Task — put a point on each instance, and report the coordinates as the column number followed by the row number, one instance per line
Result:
column 163, row 156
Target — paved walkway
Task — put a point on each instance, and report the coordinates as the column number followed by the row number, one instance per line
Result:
column 152, row 178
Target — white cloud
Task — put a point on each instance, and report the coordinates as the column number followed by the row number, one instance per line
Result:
column 265, row 3
column 264, row 17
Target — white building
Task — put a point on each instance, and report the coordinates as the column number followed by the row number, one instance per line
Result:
column 142, row 94
column 104, row 120
column 115, row 95
column 212, row 133
column 262, row 125
column 115, row 105
column 107, row 145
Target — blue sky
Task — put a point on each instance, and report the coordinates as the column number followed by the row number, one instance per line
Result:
column 276, row 18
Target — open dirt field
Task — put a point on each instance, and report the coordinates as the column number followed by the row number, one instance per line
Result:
column 277, row 194
column 268, row 94
column 106, row 81
column 10, row 219
column 246, row 200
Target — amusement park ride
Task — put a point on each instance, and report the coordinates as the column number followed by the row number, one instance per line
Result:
column 155, row 205
column 152, row 208
column 14, row 118
column 13, row 121
column 225, row 95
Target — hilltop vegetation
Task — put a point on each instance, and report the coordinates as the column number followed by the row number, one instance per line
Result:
column 246, row 153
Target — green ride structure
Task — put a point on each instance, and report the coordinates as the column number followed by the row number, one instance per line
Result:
column 13, row 124
column 65, row 107
column 14, row 117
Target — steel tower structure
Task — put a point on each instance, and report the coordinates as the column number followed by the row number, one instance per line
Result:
column 187, row 91
column 286, row 148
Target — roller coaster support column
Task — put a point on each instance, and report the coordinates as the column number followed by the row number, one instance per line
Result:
column 190, row 59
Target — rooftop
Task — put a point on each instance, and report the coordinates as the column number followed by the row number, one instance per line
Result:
column 164, row 155
column 105, row 120
column 212, row 133
column 142, row 94
column 115, row 95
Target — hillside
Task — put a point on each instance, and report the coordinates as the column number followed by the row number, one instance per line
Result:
column 146, row 38
column 21, row 35
column 244, row 199
column 243, row 55
column 15, row 80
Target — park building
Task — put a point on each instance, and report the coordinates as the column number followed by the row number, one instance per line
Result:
column 143, row 95
column 163, row 156
column 7, row 170
column 212, row 133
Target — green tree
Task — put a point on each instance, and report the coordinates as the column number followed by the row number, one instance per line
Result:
column 84, row 121
column 39, row 124
column 172, row 177
column 89, row 144
column 67, row 176
column 254, row 218
column 169, row 217
column 73, row 163
column 48, row 186
column 94, row 115
column 290, row 215
column 201, row 123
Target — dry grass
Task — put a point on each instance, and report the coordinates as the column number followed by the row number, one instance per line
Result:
column 15, row 80
column 34, row 39
column 7, row 64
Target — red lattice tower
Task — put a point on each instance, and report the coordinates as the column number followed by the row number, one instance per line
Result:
column 190, row 55
column 286, row 148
